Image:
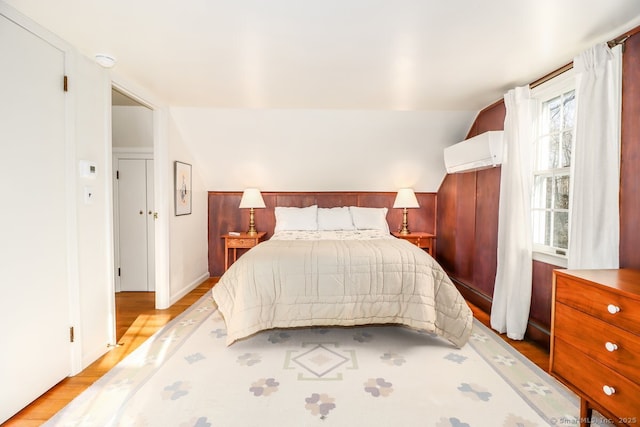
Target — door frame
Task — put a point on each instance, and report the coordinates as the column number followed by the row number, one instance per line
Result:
column 161, row 172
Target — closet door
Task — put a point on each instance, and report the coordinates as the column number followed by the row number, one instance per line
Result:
column 34, row 225
column 135, row 223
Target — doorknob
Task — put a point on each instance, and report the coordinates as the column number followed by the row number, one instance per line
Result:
column 141, row 212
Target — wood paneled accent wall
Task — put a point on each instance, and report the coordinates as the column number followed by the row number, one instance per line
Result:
column 467, row 209
column 225, row 216
column 467, row 225
column 630, row 156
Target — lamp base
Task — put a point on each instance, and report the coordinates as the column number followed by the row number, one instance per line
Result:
column 405, row 226
column 252, row 224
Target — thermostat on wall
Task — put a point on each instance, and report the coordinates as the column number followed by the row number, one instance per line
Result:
column 88, row 169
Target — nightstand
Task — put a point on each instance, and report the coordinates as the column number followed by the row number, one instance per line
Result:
column 420, row 239
column 239, row 241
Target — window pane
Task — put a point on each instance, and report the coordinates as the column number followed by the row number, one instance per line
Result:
column 542, row 192
column 552, row 108
column 569, row 104
column 554, row 151
column 542, row 158
column 561, row 192
column 546, row 192
column 565, row 155
column 547, row 228
column 561, row 230
column 540, row 230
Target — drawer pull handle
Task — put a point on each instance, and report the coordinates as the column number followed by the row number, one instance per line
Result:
column 611, row 346
column 613, row 309
column 608, row 390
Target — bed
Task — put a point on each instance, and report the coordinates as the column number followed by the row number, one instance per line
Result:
column 338, row 267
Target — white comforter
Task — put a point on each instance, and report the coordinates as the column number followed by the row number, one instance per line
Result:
column 292, row 283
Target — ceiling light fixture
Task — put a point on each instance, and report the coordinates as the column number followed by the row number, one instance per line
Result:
column 107, row 61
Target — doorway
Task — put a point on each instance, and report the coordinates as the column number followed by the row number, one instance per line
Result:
column 133, row 198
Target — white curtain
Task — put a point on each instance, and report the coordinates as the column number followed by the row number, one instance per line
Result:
column 594, row 232
column 512, row 290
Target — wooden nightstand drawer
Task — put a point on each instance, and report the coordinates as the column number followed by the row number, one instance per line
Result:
column 421, row 243
column 611, row 346
column 241, row 243
column 589, row 377
column 420, row 239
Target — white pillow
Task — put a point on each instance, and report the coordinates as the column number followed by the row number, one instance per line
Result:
column 335, row 219
column 289, row 218
column 369, row 218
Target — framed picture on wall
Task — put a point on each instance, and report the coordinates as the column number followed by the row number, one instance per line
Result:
column 183, row 188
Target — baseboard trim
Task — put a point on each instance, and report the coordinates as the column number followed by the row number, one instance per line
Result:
column 535, row 332
column 191, row 286
column 472, row 295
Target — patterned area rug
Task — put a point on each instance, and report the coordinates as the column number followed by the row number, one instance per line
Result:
column 369, row 376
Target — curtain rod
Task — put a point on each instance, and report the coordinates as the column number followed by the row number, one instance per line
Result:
column 611, row 43
column 551, row 75
column 620, row 40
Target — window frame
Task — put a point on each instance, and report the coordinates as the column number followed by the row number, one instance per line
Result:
column 557, row 86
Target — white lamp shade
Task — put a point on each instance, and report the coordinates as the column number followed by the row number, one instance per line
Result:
column 406, row 198
column 251, row 198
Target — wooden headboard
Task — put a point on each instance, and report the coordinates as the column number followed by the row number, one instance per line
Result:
column 225, row 216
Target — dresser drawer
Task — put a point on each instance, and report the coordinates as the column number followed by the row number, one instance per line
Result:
column 595, row 301
column 591, row 335
column 588, row 378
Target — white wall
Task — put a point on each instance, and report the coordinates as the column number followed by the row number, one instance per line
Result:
column 90, row 87
column 189, row 264
column 132, row 127
column 320, row 150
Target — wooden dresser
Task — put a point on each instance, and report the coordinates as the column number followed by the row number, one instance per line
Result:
column 595, row 341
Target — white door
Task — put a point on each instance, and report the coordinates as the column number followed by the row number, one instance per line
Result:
column 135, row 223
column 34, row 227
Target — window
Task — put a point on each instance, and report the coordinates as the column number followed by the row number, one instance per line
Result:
column 552, row 165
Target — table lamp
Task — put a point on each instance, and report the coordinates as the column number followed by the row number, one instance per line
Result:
column 251, row 198
column 405, row 198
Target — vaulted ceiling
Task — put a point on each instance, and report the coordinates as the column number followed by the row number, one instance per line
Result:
column 333, row 54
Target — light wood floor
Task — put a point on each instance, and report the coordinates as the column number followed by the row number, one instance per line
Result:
column 136, row 321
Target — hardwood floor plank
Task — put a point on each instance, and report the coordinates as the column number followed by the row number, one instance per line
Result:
column 137, row 320
column 533, row 351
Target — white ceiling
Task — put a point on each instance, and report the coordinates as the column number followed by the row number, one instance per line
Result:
column 334, row 54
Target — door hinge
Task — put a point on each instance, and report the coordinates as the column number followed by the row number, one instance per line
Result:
column 72, row 336
column 118, row 271
column 65, row 83
column 117, row 174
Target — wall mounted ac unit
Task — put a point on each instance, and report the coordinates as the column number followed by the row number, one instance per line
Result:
column 480, row 152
